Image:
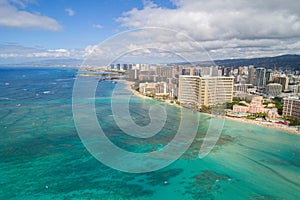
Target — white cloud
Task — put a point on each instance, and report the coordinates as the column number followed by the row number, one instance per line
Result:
column 10, row 16
column 225, row 28
column 22, row 3
column 70, row 12
column 141, row 46
column 149, row 4
column 17, row 51
column 97, row 26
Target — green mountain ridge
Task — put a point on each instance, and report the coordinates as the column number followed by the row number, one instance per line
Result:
column 284, row 62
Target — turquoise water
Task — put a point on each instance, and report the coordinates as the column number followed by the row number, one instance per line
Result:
column 42, row 157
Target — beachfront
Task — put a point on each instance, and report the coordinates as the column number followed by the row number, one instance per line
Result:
column 272, row 125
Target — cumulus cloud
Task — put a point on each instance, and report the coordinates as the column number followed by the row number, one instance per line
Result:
column 145, row 45
column 70, row 12
column 225, row 28
column 11, row 16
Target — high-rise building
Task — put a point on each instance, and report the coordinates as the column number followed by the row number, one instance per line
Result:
column 145, row 67
column 251, row 74
column 136, row 66
column 185, row 71
column 188, row 92
column 206, row 71
column 197, row 72
column 291, row 107
column 163, row 71
column 147, row 76
column 134, row 74
column 284, row 81
column 269, row 76
column 241, row 90
column 207, row 91
column 214, row 71
column 216, row 90
column 228, row 72
column 273, row 89
column 118, row 66
column 240, row 71
column 125, row 67
column 260, row 77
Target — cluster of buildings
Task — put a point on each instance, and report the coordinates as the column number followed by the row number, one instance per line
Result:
column 190, row 86
column 256, row 106
column 282, row 85
column 121, row 67
column 265, row 82
column 209, row 86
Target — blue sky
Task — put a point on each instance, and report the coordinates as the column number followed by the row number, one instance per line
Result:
column 90, row 23
column 225, row 29
column 82, row 22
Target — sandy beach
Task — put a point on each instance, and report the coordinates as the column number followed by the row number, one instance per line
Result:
column 129, row 87
column 280, row 127
column 271, row 125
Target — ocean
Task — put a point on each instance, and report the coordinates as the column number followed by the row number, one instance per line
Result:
column 43, row 157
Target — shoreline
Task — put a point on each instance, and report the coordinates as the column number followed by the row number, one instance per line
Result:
column 266, row 124
column 279, row 127
column 128, row 87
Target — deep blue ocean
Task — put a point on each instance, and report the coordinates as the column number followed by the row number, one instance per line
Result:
column 42, row 156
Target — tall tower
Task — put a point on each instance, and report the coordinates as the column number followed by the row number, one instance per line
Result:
column 251, row 74
column 260, row 77
column 269, row 76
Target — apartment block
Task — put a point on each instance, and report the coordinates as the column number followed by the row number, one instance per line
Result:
column 207, row 91
column 188, row 92
column 291, row 107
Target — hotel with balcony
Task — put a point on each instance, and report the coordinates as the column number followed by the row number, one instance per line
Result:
column 205, row 91
column 291, row 107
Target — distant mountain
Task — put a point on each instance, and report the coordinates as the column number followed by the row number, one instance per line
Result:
column 290, row 62
column 283, row 62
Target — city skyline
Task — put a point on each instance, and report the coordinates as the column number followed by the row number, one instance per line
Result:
column 66, row 29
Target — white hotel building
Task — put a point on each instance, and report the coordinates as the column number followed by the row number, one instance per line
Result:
column 207, row 91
